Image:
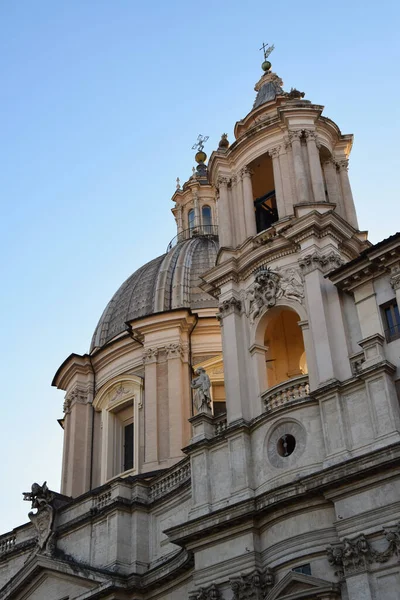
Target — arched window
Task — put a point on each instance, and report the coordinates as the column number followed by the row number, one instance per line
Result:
column 206, row 218
column 119, row 403
column 191, row 218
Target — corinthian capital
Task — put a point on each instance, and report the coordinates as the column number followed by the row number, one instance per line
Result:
column 274, row 152
column 295, row 135
column 310, row 134
column 150, row 355
column 245, row 172
column 343, row 165
column 222, row 181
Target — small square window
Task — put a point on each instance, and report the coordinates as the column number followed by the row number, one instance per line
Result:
column 391, row 317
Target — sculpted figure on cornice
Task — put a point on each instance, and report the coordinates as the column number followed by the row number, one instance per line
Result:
column 254, row 586
column 351, row 556
column 269, row 286
column 41, row 499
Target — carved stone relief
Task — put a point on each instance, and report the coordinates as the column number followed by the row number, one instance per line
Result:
column 254, row 586
column 228, row 307
column 41, row 499
column 209, row 593
column 352, row 556
column 271, row 285
column 318, row 260
column 150, row 355
column 75, row 396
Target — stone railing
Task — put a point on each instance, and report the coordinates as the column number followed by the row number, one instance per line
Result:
column 281, row 394
column 220, row 424
column 7, row 543
column 171, row 480
column 102, row 499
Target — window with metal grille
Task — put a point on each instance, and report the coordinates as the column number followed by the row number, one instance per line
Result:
column 391, row 320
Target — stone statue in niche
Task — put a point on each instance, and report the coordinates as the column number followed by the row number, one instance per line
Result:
column 41, row 499
column 201, row 386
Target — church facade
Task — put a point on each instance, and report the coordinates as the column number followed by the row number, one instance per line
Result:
column 234, row 431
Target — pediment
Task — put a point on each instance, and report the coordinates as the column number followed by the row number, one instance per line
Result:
column 296, row 585
column 44, row 577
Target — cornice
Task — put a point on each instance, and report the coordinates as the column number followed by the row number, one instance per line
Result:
column 74, row 365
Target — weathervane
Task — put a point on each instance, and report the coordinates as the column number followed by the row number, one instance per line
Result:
column 201, row 140
column 267, row 51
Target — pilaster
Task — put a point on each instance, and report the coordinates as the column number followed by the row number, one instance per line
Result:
column 224, row 214
column 150, row 357
column 248, row 203
column 279, row 195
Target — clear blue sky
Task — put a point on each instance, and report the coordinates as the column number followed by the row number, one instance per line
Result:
column 100, row 104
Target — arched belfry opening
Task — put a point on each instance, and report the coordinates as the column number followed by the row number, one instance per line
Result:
column 264, row 192
column 285, row 353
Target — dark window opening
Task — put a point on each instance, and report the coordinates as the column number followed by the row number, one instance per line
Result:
column 392, row 320
column 219, row 408
column 266, row 211
column 286, row 445
column 191, row 218
column 305, row 569
column 128, row 447
column 207, row 219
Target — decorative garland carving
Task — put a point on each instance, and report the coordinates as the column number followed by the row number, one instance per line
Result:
column 351, row 556
column 254, row 586
column 323, row 262
column 274, row 152
column 343, row 165
column 295, row 135
column 174, row 350
column 271, row 285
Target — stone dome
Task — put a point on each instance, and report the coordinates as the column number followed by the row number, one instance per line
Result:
column 165, row 283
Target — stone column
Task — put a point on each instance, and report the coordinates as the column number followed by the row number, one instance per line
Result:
column 197, row 221
column 286, row 183
column 180, row 220
column 347, row 193
column 317, row 181
column 150, row 407
column 224, row 217
column 177, row 403
column 248, row 203
column 299, row 170
column 240, row 226
column 332, row 184
column 280, row 203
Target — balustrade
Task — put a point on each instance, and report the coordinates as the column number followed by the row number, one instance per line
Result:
column 287, row 391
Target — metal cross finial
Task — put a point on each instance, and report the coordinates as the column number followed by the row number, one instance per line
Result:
column 201, row 140
column 267, row 51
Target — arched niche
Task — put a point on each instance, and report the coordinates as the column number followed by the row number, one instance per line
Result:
column 119, row 402
column 278, row 346
column 264, row 197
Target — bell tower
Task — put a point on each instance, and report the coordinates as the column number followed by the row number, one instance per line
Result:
column 287, row 159
column 286, row 218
